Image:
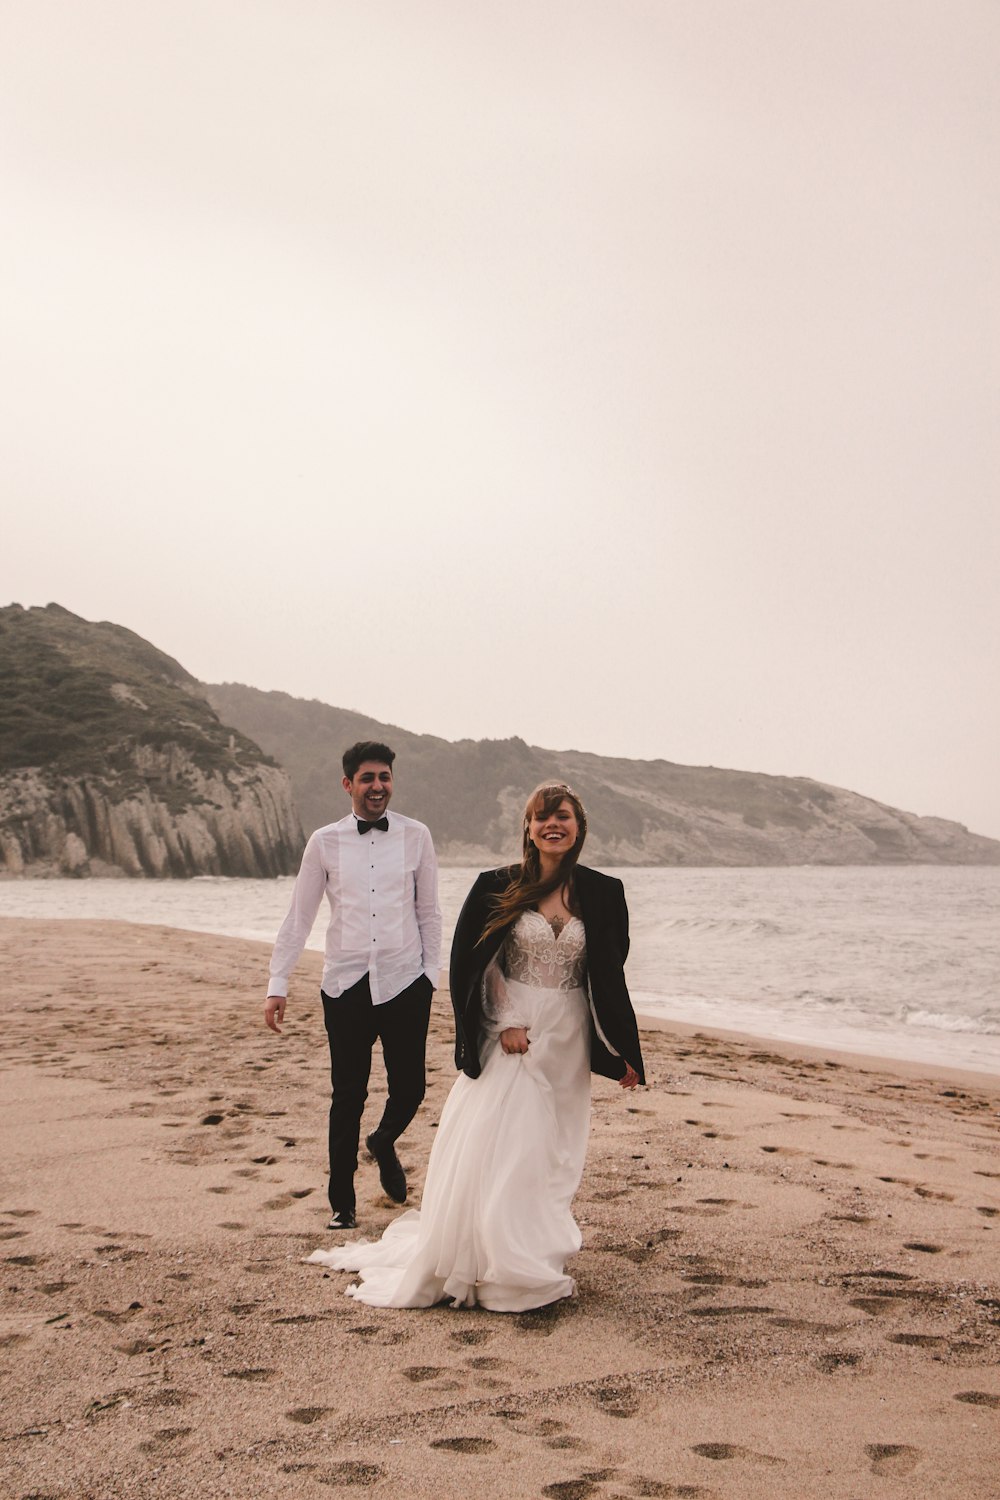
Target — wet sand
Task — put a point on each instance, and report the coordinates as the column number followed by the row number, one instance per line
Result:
column 789, row 1286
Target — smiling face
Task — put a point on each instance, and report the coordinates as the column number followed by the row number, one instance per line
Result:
column 554, row 833
column 370, row 789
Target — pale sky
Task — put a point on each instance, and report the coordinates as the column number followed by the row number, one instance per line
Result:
column 620, row 375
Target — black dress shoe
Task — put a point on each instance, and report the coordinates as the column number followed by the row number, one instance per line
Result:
column 342, row 1218
column 390, row 1168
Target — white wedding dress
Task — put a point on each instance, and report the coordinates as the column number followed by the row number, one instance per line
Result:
column 495, row 1226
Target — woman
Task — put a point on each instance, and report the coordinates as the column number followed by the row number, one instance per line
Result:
column 540, row 1001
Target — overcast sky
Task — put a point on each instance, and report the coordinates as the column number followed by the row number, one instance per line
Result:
column 620, row 375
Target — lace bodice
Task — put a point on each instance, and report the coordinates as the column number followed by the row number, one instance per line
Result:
column 533, row 954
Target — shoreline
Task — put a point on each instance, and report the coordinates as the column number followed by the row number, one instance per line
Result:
column 788, row 1287
column 871, row 1062
column 913, row 1065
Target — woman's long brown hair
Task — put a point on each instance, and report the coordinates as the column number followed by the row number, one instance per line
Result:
column 527, row 887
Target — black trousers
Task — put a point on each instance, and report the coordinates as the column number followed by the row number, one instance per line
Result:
column 353, row 1024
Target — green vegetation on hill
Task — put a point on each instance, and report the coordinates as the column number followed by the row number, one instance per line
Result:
column 112, row 761
column 79, row 697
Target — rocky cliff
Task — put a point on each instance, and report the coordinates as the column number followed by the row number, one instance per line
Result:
column 471, row 794
column 112, row 762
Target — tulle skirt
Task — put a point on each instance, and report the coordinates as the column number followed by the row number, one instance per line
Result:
column 495, row 1226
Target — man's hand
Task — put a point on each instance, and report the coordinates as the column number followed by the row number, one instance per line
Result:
column 630, row 1078
column 274, row 1012
column 514, row 1039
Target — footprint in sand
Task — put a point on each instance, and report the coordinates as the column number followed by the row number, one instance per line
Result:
column 286, row 1200
column 729, row 1451
column 616, row 1400
column 352, row 1471
column 828, row 1364
column 734, row 1310
column 308, row 1414
column 978, row 1398
column 656, row 1487
column 716, row 1278
column 803, row 1325
column 478, row 1445
column 379, row 1334
column 117, row 1318
column 892, row 1459
column 296, row 1318
column 166, row 1397
column 470, row 1336
column 544, row 1320
column 138, row 1346
column 877, row 1276
column 875, row 1307
column 577, row 1489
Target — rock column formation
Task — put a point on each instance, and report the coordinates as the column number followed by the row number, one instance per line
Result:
column 168, row 817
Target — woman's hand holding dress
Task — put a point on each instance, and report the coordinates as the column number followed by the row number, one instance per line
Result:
column 515, row 1039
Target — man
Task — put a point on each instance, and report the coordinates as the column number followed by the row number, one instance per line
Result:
column 383, row 949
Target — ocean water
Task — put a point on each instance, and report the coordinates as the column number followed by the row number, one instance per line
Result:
column 890, row 962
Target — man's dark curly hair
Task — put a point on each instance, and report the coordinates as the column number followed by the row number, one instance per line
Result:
column 366, row 750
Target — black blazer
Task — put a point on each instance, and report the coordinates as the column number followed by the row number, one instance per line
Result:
column 601, row 900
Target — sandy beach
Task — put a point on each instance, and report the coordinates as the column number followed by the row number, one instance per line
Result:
column 789, row 1285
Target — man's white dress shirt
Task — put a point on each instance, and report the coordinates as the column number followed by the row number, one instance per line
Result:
column 385, row 920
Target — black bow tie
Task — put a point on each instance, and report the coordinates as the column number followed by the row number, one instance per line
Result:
column 380, row 823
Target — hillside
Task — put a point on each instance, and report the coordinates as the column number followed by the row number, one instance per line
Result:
column 113, row 762
column 471, row 793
